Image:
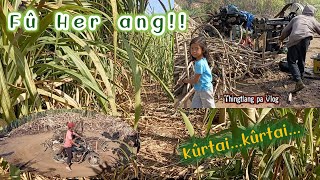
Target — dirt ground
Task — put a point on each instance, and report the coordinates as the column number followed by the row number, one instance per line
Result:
column 278, row 84
column 162, row 130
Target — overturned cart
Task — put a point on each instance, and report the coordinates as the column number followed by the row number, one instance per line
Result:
column 235, row 24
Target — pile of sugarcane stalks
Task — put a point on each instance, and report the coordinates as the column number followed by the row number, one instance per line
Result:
column 231, row 60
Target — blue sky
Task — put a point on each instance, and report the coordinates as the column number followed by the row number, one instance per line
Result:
column 156, row 6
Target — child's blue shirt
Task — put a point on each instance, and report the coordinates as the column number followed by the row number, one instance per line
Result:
column 204, row 83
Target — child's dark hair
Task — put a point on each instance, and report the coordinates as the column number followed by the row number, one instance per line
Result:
column 202, row 43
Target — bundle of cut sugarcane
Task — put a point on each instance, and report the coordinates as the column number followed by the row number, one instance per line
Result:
column 231, row 60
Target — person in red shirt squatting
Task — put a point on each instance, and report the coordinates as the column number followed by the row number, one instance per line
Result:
column 67, row 146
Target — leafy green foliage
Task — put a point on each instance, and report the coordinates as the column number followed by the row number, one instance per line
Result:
column 47, row 69
column 290, row 159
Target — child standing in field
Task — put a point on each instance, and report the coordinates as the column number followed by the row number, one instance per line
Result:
column 202, row 80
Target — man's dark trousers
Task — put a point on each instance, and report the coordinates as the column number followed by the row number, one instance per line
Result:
column 296, row 58
column 69, row 154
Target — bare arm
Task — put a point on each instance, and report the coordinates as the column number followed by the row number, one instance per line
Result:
column 76, row 134
column 74, row 143
column 193, row 80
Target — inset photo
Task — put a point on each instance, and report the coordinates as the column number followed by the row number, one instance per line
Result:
column 77, row 93
column 237, row 55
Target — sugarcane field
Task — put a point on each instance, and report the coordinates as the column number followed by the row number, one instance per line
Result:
column 161, row 89
column 247, row 60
